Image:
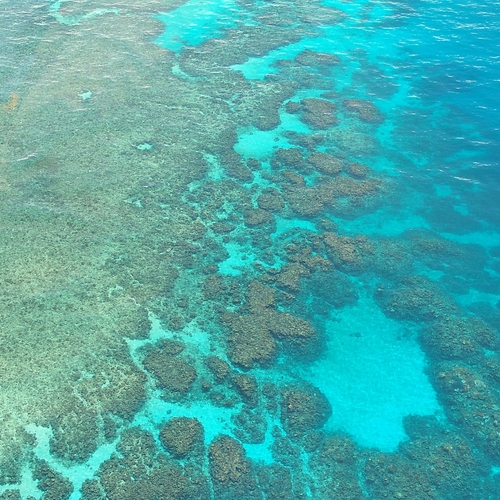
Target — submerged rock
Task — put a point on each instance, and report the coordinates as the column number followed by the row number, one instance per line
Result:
column 249, row 342
column 270, row 200
column 471, row 404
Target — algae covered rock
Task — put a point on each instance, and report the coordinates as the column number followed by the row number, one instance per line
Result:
column 257, row 217
column 451, row 464
column 471, row 404
column 250, row 425
column 349, row 253
column 276, row 482
column 312, row 58
column 92, row 490
column 270, row 200
column 75, row 432
column 453, row 338
column 357, row 170
column 335, row 467
column 11, row 495
column 252, row 338
column 246, row 386
column 289, row 157
column 416, row 298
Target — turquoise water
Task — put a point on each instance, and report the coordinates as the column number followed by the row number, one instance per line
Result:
column 276, row 223
column 196, row 21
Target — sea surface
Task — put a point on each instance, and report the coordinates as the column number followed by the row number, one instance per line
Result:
column 249, row 249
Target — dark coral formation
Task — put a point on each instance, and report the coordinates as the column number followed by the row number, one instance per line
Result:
column 454, row 338
column 388, row 475
column 313, row 58
column 172, row 373
column 182, row 436
column 351, row 254
column 335, row 464
column 75, row 433
column 231, row 472
column 246, row 386
column 471, row 404
column 249, row 342
column 140, row 472
column 270, row 200
column 276, row 483
column 318, row 113
column 452, row 464
column 11, row 495
column 416, row 298
column 365, row 110
column 253, row 336
column 303, row 409
column 325, row 163
column 53, row 484
column 219, row 368
column 151, row 240
column 250, row 426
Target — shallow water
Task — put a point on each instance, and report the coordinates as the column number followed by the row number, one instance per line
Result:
column 249, row 250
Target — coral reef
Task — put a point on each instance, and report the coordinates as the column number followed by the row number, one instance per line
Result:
column 365, row 110
column 318, row 113
column 53, row 484
column 230, row 470
column 324, row 163
column 471, row 404
column 130, row 216
column 303, row 409
column 142, row 473
column 452, row 465
column 388, row 475
column 182, row 436
column 173, row 374
column 313, row 58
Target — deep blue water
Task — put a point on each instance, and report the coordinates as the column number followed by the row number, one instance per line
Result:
column 401, row 320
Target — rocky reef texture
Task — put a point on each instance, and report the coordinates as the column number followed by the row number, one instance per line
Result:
column 161, row 292
column 231, row 471
column 303, row 409
column 182, row 437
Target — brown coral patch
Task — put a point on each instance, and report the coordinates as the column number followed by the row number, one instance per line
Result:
column 318, row 113
column 365, row 110
column 12, row 103
column 311, row 58
column 350, row 252
column 325, row 163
